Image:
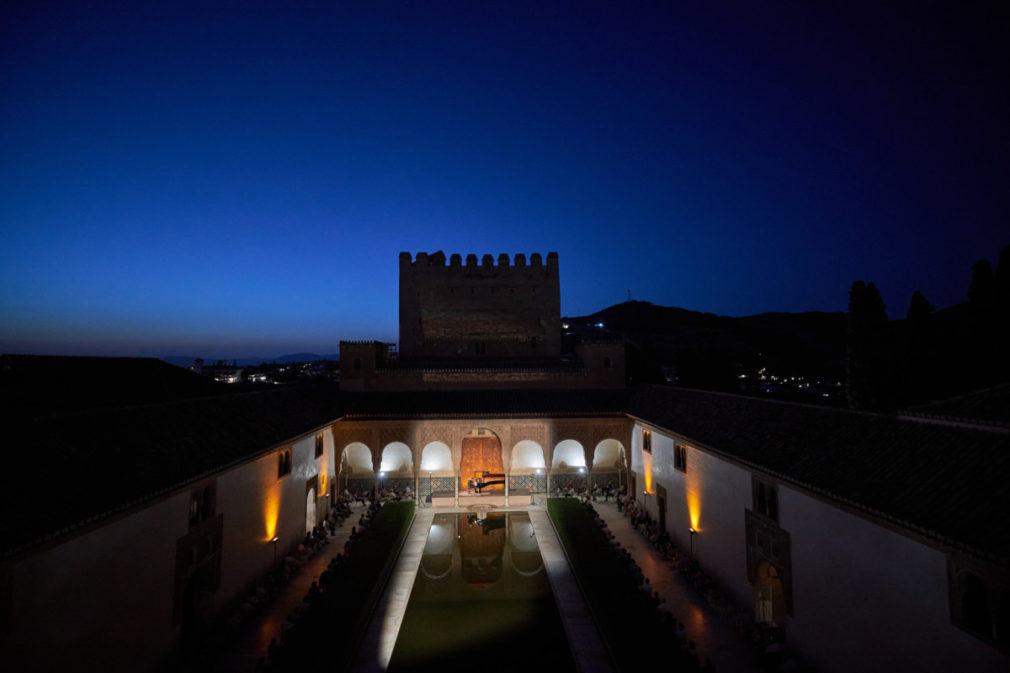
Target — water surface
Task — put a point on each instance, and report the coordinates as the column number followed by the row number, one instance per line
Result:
column 481, row 601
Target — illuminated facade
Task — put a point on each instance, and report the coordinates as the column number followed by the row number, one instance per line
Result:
column 869, row 542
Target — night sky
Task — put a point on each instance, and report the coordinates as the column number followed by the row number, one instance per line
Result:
column 239, row 180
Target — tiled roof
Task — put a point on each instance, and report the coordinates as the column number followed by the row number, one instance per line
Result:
column 991, row 405
column 78, row 467
column 946, row 482
column 41, row 385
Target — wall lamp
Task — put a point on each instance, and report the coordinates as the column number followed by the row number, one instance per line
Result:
column 693, row 532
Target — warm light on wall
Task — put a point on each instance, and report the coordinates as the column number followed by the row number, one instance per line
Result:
column 694, row 507
column 323, row 483
column 647, row 470
column 271, row 512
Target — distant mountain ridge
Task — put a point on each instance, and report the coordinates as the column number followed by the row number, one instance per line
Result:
column 186, row 361
column 710, row 351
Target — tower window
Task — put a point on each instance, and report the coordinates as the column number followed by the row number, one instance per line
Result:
column 319, row 445
column 646, row 441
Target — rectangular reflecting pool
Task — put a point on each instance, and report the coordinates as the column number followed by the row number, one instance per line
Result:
column 481, row 601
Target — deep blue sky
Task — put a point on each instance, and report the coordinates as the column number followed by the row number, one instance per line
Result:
column 239, row 180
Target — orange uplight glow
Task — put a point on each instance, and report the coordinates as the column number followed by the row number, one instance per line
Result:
column 271, row 512
column 647, row 469
column 322, row 484
column 694, row 508
column 692, row 488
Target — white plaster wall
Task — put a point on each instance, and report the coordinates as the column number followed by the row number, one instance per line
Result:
column 865, row 598
column 105, row 598
column 870, row 599
column 256, row 506
column 710, row 497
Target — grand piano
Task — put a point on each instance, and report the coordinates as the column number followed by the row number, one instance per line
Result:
column 488, row 480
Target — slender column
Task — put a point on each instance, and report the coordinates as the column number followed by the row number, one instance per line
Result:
column 417, row 490
column 507, row 489
column 376, row 464
column 456, row 486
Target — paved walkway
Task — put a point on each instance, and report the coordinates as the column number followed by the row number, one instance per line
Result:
column 241, row 654
column 712, row 633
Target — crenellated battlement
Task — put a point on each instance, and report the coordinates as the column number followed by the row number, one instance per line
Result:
column 479, row 306
column 487, row 261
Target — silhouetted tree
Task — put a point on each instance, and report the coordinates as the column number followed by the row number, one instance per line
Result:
column 917, row 357
column 919, row 309
column 1001, row 281
column 982, row 290
column 983, row 347
column 868, row 380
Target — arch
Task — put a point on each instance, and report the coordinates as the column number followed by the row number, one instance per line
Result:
column 310, row 510
column 397, row 457
column 527, row 455
column 522, row 536
column 436, row 457
column 441, row 539
column 481, row 457
column 770, row 598
column 609, row 453
column 357, row 458
column 568, row 453
column 436, row 561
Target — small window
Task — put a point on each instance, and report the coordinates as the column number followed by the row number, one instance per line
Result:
column 766, row 499
column 319, row 445
column 533, row 343
column 283, row 463
column 981, row 604
column 479, row 347
column 646, row 441
column 194, row 509
column 680, row 457
column 606, row 363
column 201, row 505
column 357, row 364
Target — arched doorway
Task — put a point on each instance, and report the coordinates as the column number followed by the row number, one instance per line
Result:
column 310, row 510
column 481, row 457
column 770, row 600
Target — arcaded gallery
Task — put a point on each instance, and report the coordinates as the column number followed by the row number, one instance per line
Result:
column 143, row 513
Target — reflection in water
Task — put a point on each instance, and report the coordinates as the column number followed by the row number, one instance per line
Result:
column 481, row 600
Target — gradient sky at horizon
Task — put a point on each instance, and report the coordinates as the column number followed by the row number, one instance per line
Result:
column 238, row 179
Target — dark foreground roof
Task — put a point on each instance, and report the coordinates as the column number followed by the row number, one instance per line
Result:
column 946, row 482
column 42, row 385
column 484, row 403
column 991, row 405
column 75, row 468
column 72, row 464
